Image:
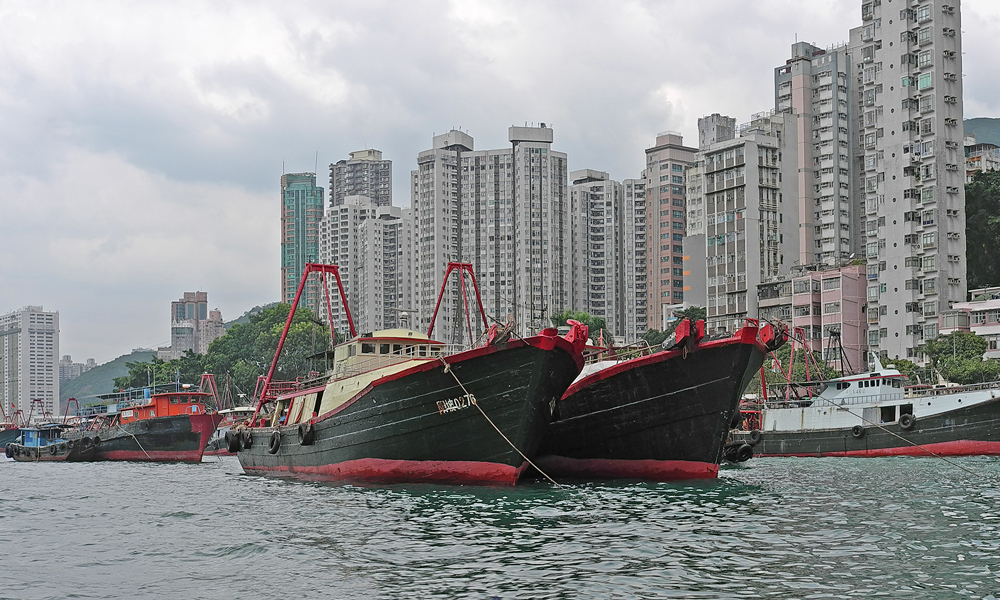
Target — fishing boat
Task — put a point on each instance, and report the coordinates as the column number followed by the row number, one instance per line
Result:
column 874, row 413
column 217, row 445
column 142, row 425
column 399, row 406
column 661, row 415
column 48, row 443
column 8, row 433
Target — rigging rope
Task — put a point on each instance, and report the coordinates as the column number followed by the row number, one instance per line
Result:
column 448, row 369
column 136, row 441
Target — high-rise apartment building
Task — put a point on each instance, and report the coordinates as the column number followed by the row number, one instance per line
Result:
column 29, row 362
column 301, row 212
column 907, row 59
column 815, row 88
column 71, row 370
column 608, row 246
column 666, row 165
column 385, row 268
column 192, row 326
column 366, row 174
column 743, row 191
column 340, row 244
column 504, row 211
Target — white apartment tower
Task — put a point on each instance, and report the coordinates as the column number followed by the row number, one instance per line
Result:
column 748, row 197
column 340, row 244
column 504, row 211
column 365, row 173
column 29, row 362
column 907, row 59
column 814, row 86
column 385, row 268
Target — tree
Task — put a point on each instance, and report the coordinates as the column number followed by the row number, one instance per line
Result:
column 958, row 357
column 982, row 229
column 594, row 324
column 694, row 313
column 800, row 371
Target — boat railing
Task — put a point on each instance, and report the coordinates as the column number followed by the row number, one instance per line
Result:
column 920, row 392
column 364, row 365
column 621, row 354
column 821, row 401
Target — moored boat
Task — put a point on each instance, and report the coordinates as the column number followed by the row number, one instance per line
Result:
column 875, row 413
column 217, row 445
column 48, row 443
column 662, row 415
column 399, row 406
column 172, row 426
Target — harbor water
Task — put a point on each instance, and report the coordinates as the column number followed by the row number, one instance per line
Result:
column 771, row 528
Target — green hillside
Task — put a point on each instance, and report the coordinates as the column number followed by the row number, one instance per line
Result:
column 100, row 379
column 986, row 130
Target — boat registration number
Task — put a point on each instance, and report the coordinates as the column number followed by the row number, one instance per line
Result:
column 453, row 404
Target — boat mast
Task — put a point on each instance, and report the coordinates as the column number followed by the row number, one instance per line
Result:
column 461, row 269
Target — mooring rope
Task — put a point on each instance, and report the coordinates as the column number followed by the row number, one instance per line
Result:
column 136, row 441
column 448, row 369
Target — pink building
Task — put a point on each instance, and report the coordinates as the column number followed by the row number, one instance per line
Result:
column 980, row 316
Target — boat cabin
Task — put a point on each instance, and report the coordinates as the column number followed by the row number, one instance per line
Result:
column 167, row 404
column 44, row 435
column 382, row 348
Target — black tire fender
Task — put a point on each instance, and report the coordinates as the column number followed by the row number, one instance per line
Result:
column 307, row 433
column 907, row 421
column 755, row 437
column 247, row 439
column 275, row 443
column 97, row 440
column 857, row 431
column 233, row 441
column 53, row 449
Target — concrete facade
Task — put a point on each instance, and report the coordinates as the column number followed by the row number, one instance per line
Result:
column 29, row 362
column 365, row 173
column 340, row 244
column 907, row 59
column 192, row 326
column 384, row 270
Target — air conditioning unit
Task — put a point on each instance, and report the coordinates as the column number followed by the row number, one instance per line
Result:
column 950, row 76
column 951, row 144
column 950, row 99
column 949, row 54
column 948, row 31
column 951, row 122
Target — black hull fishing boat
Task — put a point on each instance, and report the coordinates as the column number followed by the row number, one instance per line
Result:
column 662, row 416
column 875, row 413
column 399, row 406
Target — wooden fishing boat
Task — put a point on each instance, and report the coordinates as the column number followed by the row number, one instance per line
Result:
column 400, row 406
column 661, row 415
column 49, row 443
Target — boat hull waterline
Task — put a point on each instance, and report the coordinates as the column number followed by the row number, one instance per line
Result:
column 177, row 438
column 660, row 417
column 419, row 425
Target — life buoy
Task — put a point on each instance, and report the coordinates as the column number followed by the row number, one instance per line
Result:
column 907, row 421
column 755, row 437
column 247, row 439
column 307, row 433
column 857, row 431
column 275, row 442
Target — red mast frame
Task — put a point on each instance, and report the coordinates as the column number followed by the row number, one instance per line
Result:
column 310, row 268
column 461, row 269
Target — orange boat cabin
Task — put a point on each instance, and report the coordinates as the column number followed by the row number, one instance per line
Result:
column 167, row 404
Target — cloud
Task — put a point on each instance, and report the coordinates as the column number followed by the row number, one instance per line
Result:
column 142, row 143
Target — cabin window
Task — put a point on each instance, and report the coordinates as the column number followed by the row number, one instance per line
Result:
column 184, row 399
column 195, row 400
column 410, row 350
column 352, row 350
column 367, row 348
column 423, row 350
column 383, row 348
column 397, row 348
column 887, row 414
column 173, row 399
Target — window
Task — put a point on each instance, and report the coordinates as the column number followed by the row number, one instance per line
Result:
column 925, row 81
column 678, row 237
column 677, row 168
column 930, row 308
column 831, row 308
column 383, row 348
column 930, row 240
column 367, row 348
column 924, row 35
column 923, row 13
column 927, row 194
column 676, row 179
column 924, row 59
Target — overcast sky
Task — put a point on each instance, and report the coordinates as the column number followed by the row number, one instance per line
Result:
column 141, row 144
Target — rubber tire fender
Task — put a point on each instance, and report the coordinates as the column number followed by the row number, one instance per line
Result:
column 907, row 421
column 275, row 443
column 246, row 439
column 8, row 451
column 70, row 444
column 857, row 431
column 97, row 440
column 744, row 453
column 52, row 449
column 233, row 441
column 755, row 437
column 307, row 433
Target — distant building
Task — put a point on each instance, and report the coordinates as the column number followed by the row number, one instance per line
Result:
column 980, row 157
column 192, row 326
column 29, row 362
column 827, row 305
column 301, row 212
column 71, row 370
column 366, row 174
column 340, row 245
column 980, row 315
column 385, row 265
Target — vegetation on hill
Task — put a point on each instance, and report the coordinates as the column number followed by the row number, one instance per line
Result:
column 986, row 130
column 982, row 222
column 100, row 379
column 244, row 352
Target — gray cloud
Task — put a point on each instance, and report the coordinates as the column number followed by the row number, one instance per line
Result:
column 141, row 144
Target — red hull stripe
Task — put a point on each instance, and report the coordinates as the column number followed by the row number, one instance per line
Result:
column 153, row 455
column 956, row 448
column 612, row 468
column 384, row 470
column 220, row 452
